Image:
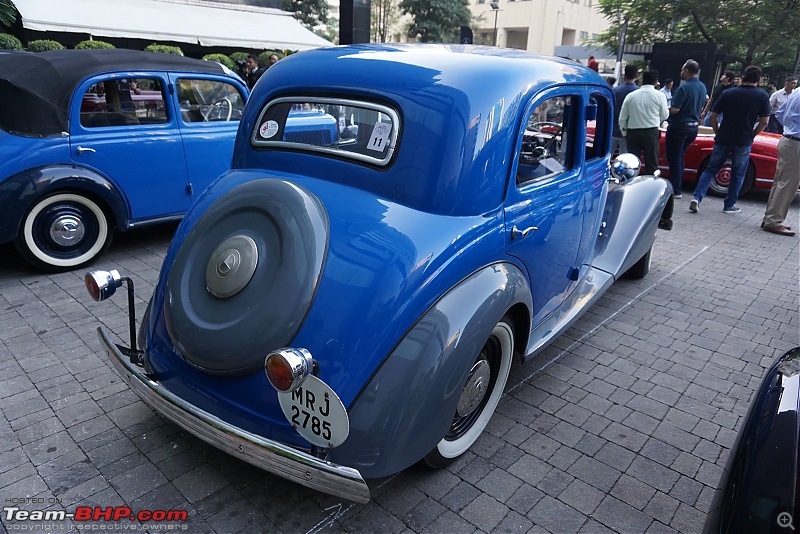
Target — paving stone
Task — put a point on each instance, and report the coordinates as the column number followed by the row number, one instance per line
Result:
column 485, row 512
column 620, row 516
column 555, row 516
column 594, row 473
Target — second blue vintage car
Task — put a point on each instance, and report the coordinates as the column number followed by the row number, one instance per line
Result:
column 93, row 141
column 387, row 266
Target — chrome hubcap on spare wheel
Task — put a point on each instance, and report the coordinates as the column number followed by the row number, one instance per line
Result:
column 231, row 266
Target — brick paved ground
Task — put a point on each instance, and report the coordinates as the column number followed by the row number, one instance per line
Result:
column 621, row 426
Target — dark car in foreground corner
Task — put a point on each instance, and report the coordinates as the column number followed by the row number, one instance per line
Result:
column 93, row 141
column 385, row 267
column 759, row 490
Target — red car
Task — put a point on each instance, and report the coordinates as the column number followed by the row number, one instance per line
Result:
column 760, row 171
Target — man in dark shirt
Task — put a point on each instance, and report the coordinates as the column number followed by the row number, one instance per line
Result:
column 687, row 102
column 742, row 106
column 620, row 92
column 725, row 82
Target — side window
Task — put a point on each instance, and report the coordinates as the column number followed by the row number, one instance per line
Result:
column 124, row 102
column 546, row 143
column 209, row 100
column 596, row 141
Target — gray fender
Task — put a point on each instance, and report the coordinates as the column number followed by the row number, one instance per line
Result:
column 632, row 212
column 19, row 192
column 408, row 405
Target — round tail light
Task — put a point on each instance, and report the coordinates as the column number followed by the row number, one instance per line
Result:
column 287, row 368
column 102, row 284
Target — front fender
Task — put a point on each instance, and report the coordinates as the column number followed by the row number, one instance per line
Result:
column 632, row 213
column 409, row 403
column 20, row 191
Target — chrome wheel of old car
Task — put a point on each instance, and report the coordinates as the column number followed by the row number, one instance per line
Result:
column 719, row 185
column 479, row 396
column 63, row 231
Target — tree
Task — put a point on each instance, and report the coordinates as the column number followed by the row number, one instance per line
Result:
column 8, row 13
column 753, row 32
column 436, row 20
column 311, row 13
column 384, row 16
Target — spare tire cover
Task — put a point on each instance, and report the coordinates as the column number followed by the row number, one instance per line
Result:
column 244, row 278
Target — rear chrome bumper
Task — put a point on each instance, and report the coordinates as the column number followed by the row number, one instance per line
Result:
column 268, row 455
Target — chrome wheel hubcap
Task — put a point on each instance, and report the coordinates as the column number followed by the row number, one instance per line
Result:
column 67, row 230
column 475, row 389
column 231, row 266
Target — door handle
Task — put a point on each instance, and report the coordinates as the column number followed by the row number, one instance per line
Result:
column 516, row 232
column 81, row 150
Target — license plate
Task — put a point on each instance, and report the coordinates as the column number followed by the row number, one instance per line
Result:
column 317, row 413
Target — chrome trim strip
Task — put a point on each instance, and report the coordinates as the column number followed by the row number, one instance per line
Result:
column 271, row 456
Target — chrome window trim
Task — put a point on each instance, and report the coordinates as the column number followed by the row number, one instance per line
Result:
column 393, row 115
column 272, row 456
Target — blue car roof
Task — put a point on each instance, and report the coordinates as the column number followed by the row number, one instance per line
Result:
column 460, row 109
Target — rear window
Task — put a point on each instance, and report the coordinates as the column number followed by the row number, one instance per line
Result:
column 363, row 131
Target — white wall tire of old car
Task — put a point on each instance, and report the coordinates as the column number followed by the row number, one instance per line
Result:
column 49, row 254
column 449, row 448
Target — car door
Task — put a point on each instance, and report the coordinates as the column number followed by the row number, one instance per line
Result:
column 121, row 126
column 544, row 210
column 210, row 109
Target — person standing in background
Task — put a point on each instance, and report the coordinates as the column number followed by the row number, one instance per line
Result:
column 776, row 100
column 620, row 92
column 667, row 90
column 642, row 113
column 687, row 102
column 593, row 64
column 743, row 106
column 725, row 82
column 787, row 173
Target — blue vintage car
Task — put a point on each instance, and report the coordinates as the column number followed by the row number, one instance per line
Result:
column 97, row 141
column 387, row 267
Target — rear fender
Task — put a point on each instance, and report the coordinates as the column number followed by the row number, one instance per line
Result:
column 409, row 403
column 19, row 192
column 632, row 213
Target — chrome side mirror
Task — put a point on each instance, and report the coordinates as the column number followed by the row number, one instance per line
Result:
column 625, row 167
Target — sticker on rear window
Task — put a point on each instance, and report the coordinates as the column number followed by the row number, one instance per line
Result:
column 380, row 136
column 268, row 129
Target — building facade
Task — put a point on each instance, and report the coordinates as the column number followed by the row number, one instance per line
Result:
column 536, row 25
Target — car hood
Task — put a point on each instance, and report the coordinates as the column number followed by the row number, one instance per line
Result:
column 385, row 264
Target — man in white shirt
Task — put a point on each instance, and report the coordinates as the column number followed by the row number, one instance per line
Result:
column 787, row 173
column 642, row 113
column 776, row 100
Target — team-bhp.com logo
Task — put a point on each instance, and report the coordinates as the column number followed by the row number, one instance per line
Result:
column 85, row 514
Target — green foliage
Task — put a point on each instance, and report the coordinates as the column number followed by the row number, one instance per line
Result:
column 93, row 45
column 164, row 49
column 8, row 13
column 9, row 42
column 384, row 15
column 238, row 56
column 311, row 13
column 43, row 45
column 753, row 32
column 436, row 20
column 221, row 58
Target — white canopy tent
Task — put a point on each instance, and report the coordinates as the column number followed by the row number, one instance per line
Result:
column 184, row 21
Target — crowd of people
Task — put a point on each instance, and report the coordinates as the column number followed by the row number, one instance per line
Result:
column 737, row 110
column 253, row 70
